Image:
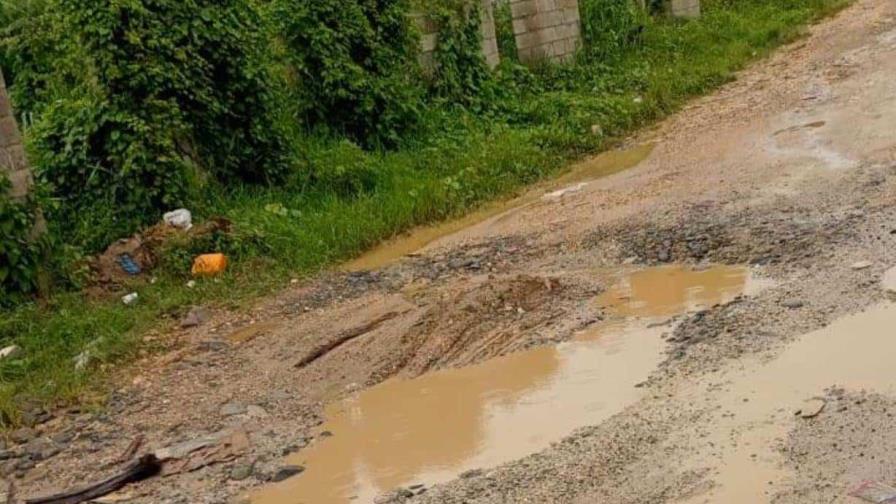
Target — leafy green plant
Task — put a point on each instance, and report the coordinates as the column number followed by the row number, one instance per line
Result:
column 354, row 66
column 461, row 73
column 20, row 252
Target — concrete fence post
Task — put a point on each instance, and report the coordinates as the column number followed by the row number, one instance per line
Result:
column 687, row 9
column 546, row 29
column 13, row 163
column 429, row 37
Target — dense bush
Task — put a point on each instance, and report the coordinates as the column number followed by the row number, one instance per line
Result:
column 354, row 65
column 19, row 253
column 135, row 101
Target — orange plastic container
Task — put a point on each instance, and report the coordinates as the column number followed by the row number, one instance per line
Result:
column 209, row 264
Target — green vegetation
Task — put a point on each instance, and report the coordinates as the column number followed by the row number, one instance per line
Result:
column 309, row 125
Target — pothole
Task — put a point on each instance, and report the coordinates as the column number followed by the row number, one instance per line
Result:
column 419, row 432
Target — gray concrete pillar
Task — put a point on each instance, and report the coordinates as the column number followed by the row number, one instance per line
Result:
column 429, row 37
column 13, row 163
column 687, row 9
column 546, row 29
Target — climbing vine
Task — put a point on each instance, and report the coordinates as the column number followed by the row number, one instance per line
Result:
column 19, row 251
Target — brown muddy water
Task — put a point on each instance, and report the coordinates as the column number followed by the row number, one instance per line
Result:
column 431, row 429
column 603, row 165
column 757, row 404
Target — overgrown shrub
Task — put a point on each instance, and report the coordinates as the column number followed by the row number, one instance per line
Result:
column 354, row 64
column 19, row 252
column 134, row 101
column 461, row 72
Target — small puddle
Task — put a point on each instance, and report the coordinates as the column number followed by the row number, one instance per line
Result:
column 759, row 401
column 430, row 429
column 602, row 165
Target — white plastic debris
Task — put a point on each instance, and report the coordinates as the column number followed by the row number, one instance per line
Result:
column 12, row 351
column 180, row 218
column 563, row 192
column 130, row 298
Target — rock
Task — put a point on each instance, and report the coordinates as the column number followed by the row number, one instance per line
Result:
column 41, row 449
column 888, row 281
column 25, row 464
column 862, row 265
column 23, row 435
column 812, row 408
column 793, row 304
column 472, row 473
column 195, row 317
column 82, row 360
column 287, row 472
column 256, row 412
column 63, row 438
column 241, row 471
column 10, row 352
column 231, row 409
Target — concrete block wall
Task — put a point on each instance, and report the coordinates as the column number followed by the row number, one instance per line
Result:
column 546, row 29
column 688, row 9
column 13, row 163
column 429, row 37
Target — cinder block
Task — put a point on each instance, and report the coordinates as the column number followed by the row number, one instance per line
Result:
column 21, row 183
column 687, row 9
column 9, row 132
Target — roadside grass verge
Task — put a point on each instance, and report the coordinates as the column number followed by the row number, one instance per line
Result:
column 538, row 123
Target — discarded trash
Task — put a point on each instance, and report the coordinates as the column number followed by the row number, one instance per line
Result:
column 128, row 264
column 873, row 491
column 140, row 469
column 130, row 299
column 862, row 265
column 812, row 408
column 82, row 360
column 191, row 284
column 180, row 218
column 563, row 192
column 209, row 264
column 10, row 352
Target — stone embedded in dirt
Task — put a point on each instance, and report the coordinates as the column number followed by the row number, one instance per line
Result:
column 862, row 265
column 23, row 435
column 241, row 471
column 888, row 281
column 472, row 473
column 195, row 317
column 812, row 408
column 793, row 304
column 287, row 472
column 41, row 449
column 256, row 412
column 231, row 409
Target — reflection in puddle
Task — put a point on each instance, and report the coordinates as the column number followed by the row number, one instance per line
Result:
column 603, row 165
column 759, row 401
column 430, row 429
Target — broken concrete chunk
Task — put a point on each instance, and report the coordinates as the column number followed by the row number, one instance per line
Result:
column 812, row 408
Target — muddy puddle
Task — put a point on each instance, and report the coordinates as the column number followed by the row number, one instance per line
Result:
column 405, row 433
column 603, row 165
column 757, row 404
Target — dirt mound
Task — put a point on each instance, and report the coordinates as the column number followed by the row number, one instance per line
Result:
column 493, row 318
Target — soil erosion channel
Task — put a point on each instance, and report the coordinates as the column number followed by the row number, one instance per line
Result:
column 427, row 430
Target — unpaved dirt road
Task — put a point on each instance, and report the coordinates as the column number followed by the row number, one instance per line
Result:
column 556, row 361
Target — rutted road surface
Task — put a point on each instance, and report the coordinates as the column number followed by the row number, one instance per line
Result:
column 708, row 325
